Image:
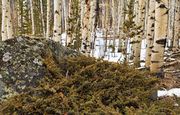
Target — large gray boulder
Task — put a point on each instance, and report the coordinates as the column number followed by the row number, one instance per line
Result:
column 22, row 63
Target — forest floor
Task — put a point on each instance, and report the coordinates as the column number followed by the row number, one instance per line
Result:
column 172, row 70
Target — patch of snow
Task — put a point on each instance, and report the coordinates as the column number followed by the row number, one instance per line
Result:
column 171, row 92
column 99, row 48
column 63, row 39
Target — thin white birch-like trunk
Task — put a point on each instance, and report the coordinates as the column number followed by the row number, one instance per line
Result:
column 136, row 14
column 32, row 17
column 107, row 8
column 94, row 14
column 10, row 33
column 121, row 21
column 65, row 7
column 85, row 46
column 42, row 18
column 171, row 17
column 177, row 26
column 69, row 25
column 121, row 16
column 4, row 21
column 141, row 21
column 82, row 2
column 150, row 32
column 48, row 19
column 57, row 21
column 160, row 35
column 114, row 23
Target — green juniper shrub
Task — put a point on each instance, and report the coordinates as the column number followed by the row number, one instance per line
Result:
column 92, row 86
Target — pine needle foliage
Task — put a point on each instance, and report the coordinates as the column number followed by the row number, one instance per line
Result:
column 84, row 85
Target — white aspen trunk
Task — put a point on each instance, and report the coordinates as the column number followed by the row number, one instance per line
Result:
column 93, row 23
column 107, row 8
column 107, row 21
column 32, row 17
column 121, row 19
column 139, row 38
column 103, row 15
column 177, row 26
column 114, row 22
column 171, row 21
column 69, row 25
column 57, row 21
column 85, row 47
column 160, row 35
column 48, row 19
column 82, row 11
column 42, row 18
column 65, row 7
column 150, row 32
column 10, row 32
column 133, row 40
column 146, row 18
column 120, row 16
column 4, row 21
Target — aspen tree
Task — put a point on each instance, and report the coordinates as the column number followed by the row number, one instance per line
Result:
column 136, row 14
column 57, row 21
column 141, row 21
column 171, row 17
column 6, row 29
column 82, row 2
column 15, row 16
column 94, row 21
column 114, row 24
column 107, row 26
column 161, row 20
column 4, row 21
column 48, row 19
column 69, row 25
column 85, row 47
column 121, row 18
column 42, row 18
column 150, row 32
column 103, row 13
column 66, row 11
column 32, row 17
column 9, row 21
column 177, row 26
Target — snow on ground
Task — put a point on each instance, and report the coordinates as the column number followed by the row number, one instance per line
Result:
column 109, row 56
column 171, row 92
column 63, row 39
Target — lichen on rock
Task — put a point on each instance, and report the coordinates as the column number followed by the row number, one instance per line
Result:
column 21, row 61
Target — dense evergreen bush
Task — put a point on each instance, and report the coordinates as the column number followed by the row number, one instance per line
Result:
column 82, row 85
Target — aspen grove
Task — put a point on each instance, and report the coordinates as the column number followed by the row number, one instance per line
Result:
column 142, row 34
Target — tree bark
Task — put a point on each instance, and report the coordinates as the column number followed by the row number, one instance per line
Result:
column 150, row 32
column 4, row 21
column 32, row 17
column 85, row 47
column 57, row 21
column 141, row 21
column 10, row 32
column 48, row 19
column 42, row 18
column 177, row 26
column 161, row 16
